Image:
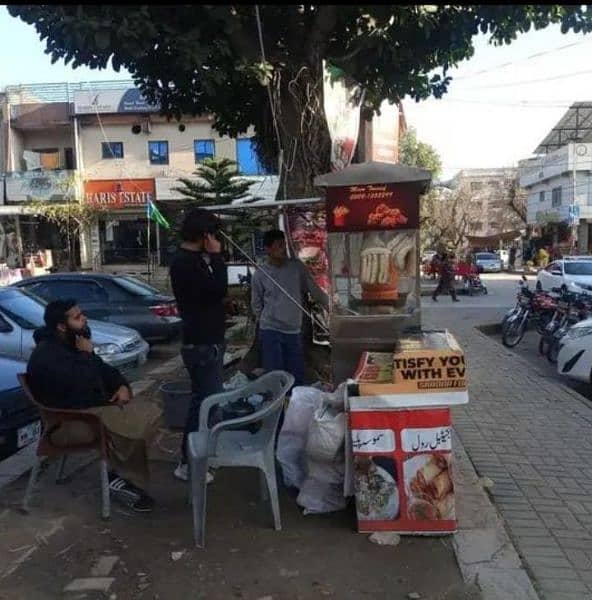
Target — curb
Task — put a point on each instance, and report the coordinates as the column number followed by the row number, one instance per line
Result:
column 484, row 550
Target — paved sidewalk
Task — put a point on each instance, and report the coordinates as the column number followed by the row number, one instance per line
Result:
column 533, row 437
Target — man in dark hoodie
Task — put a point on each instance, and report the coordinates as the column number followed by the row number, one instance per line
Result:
column 64, row 372
column 200, row 281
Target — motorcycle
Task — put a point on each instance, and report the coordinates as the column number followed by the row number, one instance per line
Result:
column 531, row 307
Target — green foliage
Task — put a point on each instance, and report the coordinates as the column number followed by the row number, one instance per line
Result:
column 207, row 59
column 419, row 154
column 70, row 218
column 218, row 182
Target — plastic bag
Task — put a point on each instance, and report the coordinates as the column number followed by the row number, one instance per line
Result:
column 320, row 496
column 326, row 435
column 292, row 437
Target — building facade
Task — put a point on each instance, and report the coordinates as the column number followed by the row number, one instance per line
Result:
column 107, row 147
column 484, row 196
column 559, row 184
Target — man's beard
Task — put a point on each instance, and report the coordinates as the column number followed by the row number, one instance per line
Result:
column 72, row 334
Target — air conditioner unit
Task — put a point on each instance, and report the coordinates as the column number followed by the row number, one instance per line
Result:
column 147, row 127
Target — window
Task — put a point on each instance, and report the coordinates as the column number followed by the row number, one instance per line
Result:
column 476, row 186
column 203, row 149
column 48, row 157
column 81, row 291
column 248, row 162
column 476, row 226
column 578, row 268
column 135, row 287
column 112, row 150
column 542, row 196
column 494, row 183
column 493, row 225
column 69, row 158
column 556, row 197
column 25, row 310
column 158, row 152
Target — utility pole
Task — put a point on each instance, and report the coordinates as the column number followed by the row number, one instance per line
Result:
column 574, row 208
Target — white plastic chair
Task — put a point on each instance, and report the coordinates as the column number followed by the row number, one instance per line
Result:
column 220, row 446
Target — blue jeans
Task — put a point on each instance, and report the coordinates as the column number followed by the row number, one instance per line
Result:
column 283, row 352
column 204, row 364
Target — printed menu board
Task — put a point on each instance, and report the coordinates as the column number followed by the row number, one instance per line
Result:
column 402, row 464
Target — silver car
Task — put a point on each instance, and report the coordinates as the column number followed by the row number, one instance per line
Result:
column 487, row 262
column 22, row 312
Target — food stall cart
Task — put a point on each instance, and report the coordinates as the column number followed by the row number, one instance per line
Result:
column 398, row 443
column 372, row 214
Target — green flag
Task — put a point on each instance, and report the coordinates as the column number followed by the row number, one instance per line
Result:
column 154, row 214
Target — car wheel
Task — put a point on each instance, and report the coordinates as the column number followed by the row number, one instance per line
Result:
column 539, row 286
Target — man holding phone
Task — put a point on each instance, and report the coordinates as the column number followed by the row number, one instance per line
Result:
column 199, row 280
column 65, row 373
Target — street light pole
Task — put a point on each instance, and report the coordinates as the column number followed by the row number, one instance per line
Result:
column 575, row 223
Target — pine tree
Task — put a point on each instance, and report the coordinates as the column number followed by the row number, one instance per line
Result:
column 219, row 182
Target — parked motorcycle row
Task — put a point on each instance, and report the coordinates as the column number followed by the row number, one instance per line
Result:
column 563, row 319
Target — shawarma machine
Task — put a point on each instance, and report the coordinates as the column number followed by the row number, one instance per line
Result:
column 372, row 216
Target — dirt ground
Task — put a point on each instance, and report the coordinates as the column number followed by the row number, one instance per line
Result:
column 312, row 557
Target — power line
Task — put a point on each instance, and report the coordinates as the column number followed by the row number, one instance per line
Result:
column 518, row 61
column 528, row 82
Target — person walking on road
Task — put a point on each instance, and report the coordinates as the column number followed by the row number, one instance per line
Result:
column 446, row 281
column 512, row 258
column 280, row 320
column 200, row 281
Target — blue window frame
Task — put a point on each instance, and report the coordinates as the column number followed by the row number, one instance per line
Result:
column 112, row 150
column 246, row 157
column 158, row 152
column 203, row 149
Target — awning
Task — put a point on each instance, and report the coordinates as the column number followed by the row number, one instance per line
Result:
column 374, row 172
column 490, row 240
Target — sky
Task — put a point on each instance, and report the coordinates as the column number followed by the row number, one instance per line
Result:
column 488, row 119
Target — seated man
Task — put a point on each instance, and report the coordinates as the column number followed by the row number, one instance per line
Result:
column 64, row 372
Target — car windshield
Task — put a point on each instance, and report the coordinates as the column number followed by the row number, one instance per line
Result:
column 487, row 257
column 25, row 309
column 578, row 268
column 136, row 287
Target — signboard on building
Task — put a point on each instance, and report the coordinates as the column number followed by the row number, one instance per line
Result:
column 385, row 134
column 112, row 101
column 39, row 185
column 382, row 207
column 119, row 193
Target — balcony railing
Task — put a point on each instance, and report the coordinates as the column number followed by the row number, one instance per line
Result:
column 34, row 93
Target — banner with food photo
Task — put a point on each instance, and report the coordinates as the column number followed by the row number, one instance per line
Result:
column 307, row 235
column 402, row 469
column 373, row 207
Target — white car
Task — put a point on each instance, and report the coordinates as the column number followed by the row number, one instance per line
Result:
column 488, row 262
column 575, row 353
column 573, row 275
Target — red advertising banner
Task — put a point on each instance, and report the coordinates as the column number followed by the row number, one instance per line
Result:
column 376, row 207
column 403, row 470
column 307, row 235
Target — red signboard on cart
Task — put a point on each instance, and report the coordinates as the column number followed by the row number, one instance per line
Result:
column 402, row 462
column 376, row 207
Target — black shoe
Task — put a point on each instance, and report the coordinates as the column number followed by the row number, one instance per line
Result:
column 434, row 299
column 130, row 495
column 455, row 300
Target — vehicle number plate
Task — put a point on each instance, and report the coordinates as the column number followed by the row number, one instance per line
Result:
column 28, row 434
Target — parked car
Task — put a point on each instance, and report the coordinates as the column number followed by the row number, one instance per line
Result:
column 575, row 352
column 22, row 312
column 488, row 262
column 19, row 419
column 572, row 275
column 118, row 299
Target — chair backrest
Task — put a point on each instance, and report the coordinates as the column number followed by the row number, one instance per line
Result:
column 23, row 380
column 277, row 384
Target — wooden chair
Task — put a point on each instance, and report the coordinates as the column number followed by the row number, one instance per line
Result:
column 52, row 419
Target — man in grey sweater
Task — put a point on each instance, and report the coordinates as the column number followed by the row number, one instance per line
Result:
column 280, row 320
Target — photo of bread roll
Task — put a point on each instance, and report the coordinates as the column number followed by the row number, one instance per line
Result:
column 445, row 507
column 441, row 485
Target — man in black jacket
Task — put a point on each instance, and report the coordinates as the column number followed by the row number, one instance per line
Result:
column 200, row 281
column 64, row 372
